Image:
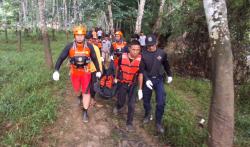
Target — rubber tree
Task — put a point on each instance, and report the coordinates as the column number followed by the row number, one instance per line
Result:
column 111, row 21
column 45, row 36
column 158, row 23
column 139, row 16
column 221, row 115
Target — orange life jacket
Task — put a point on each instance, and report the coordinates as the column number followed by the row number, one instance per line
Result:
column 116, row 46
column 129, row 69
column 79, row 50
column 119, row 45
column 107, row 81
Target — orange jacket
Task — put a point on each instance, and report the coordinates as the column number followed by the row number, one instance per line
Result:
column 129, row 69
column 107, row 81
column 117, row 45
column 79, row 50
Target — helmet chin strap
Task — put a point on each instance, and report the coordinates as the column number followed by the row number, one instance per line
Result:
column 79, row 42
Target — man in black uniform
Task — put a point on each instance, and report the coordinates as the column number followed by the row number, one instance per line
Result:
column 155, row 64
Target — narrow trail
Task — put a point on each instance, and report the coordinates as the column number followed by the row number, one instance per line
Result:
column 103, row 129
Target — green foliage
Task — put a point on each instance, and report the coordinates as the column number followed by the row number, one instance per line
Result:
column 9, row 11
column 181, row 122
column 242, row 121
column 27, row 94
column 189, row 100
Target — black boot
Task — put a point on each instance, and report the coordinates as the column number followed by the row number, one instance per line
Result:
column 85, row 116
column 130, row 128
column 80, row 100
column 147, row 118
column 160, row 128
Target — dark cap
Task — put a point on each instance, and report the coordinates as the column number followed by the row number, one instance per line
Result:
column 88, row 36
column 151, row 39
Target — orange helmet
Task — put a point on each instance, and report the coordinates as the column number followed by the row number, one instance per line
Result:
column 79, row 30
column 118, row 33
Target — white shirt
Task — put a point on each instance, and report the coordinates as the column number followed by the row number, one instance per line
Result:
column 142, row 40
column 99, row 33
column 106, row 44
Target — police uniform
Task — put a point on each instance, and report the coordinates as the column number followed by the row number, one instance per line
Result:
column 155, row 65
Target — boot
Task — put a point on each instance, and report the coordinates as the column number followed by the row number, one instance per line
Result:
column 80, row 100
column 85, row 116
column 130, row 128
column 159, row 128
column 115, row 110
column 147, row 118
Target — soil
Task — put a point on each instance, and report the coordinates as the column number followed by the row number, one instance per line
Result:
column 103, row 129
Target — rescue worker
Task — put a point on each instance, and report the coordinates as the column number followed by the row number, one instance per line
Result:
column 130, row 74
column 118, row 47
column 155, row 64
column 80, row 54
column 94, row 42
column 106, row 45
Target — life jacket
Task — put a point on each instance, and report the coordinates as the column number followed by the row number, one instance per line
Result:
column 79, row 55
column 118, row 47
column 129, row 70
column 118, row 50
column 107, row 81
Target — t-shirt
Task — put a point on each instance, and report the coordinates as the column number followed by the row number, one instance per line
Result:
column 99, row 33
column 106, row 45
column 142, row 40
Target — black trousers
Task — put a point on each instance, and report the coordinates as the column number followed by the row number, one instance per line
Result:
column 124, row 91
column 92, row 82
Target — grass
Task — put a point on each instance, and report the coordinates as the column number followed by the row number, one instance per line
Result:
column 187, row 104
column 242, row 116
column 27, row 93
column 188, row 101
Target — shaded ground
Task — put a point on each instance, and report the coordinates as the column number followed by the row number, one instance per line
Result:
column 103, row 129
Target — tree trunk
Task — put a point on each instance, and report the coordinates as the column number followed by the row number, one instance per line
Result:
column 139, row 16
column 65, row 15
column 19, row 43
column 46, row 43
column 24, row 11
column 19, row 27
column 158, row 23
column 6, row 34
column 53, row 34
column 111, row 21
column 75, row 11
column 221, row 116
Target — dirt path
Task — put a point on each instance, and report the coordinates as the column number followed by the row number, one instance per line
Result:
column 103, row 129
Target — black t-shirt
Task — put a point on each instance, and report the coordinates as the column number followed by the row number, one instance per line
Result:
column 154, row 63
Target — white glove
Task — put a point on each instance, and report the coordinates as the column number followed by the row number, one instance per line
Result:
column 56, row 76
column 149, row 84
column 111, row 58
column 140, row 95
column 102, row 59
column 98, row 74
column 170, row 79
column 115, row 80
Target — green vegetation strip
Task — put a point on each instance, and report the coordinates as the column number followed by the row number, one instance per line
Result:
column 28, row 100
